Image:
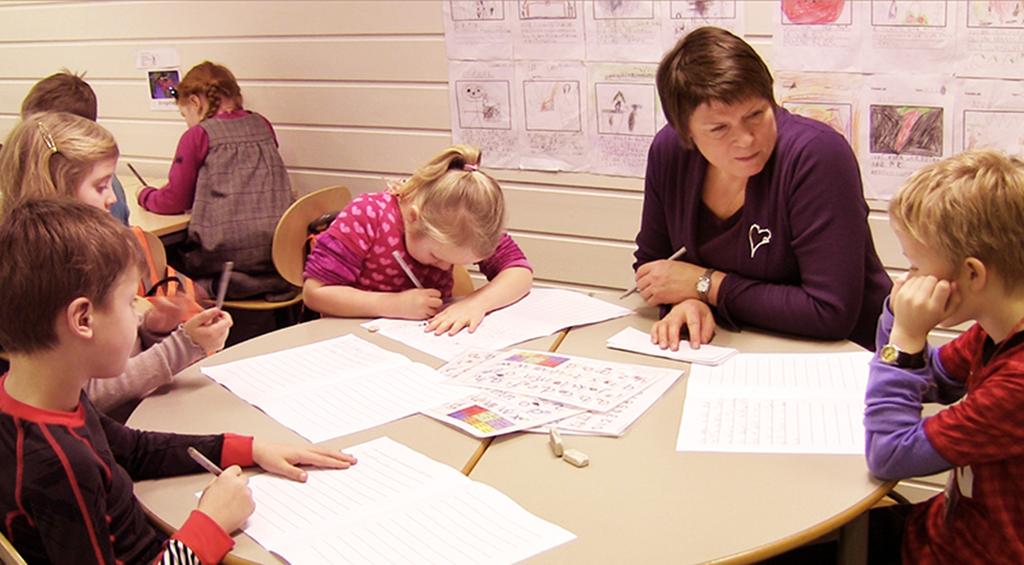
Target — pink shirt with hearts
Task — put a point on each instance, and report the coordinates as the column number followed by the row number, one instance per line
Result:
column 356, row 251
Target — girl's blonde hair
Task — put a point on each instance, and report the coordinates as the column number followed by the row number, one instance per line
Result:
column 48, row 154
column 211, row 81
column 456, row 203
column 968, row 205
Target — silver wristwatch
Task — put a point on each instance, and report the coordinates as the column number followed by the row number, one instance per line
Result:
column 704, row 285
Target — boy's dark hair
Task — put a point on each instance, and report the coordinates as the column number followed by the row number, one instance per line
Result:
column 54, row 251
column 61, row 92
column 709, row 64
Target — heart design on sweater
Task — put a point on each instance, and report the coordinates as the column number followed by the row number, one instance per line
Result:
column 357, row 212
column 371, row 213
column 343, row 228
column 758, row 236
column 391, row 271
column 392, row 240
column 378, row 249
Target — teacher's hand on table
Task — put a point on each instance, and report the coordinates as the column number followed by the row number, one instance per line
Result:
column 282, row 459
column 693, row 314
column 667, row 282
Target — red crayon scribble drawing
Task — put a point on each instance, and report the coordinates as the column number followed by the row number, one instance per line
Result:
column 813, row 11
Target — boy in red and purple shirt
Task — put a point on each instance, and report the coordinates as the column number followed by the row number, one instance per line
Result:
column 960, row 223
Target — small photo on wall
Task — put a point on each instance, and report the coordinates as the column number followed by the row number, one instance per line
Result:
column 161, row 88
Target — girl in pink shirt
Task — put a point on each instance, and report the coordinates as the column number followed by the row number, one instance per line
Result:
column 448, row 213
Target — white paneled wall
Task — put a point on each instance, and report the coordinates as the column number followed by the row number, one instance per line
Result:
column 357, row 91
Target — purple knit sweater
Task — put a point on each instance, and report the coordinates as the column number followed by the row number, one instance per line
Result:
column 800, row 258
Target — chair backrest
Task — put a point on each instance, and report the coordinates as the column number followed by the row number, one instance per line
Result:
column 463, row 284
column 9, row 555
column 288, row 249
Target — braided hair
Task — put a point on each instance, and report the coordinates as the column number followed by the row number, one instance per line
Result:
column 212, row 82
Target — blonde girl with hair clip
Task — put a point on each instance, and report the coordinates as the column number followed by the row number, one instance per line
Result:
column 64, row 156
column 227, row 169
column 448, row 213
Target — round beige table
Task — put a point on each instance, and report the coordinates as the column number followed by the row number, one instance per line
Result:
column 641, row 501
column 195, row 404
column 165, row 226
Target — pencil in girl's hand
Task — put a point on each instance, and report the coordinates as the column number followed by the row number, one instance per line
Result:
column 137, row 175
column 405, row 267
column 222, row 288
column 679, row 253
column 204, row 462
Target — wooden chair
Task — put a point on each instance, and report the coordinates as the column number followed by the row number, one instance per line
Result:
column 463, row 284
column 288, row 249
column 9, row 555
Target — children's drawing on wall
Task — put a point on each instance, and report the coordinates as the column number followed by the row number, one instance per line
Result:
column 625, row 109
column 837, row 115
column 989, row 129
column 553, row 106
column 161, row 89
column 623, row 9
column 463, row 10
column 816, row 12
column 483, row 104
column 702, row 10
column 547, row 9
column 996, row 13
column 915, row 13
column 906, row 130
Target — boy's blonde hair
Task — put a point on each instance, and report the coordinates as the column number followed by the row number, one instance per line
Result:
column 48, row 154
column 211, row 81
column 969, row 205
column 457, row 203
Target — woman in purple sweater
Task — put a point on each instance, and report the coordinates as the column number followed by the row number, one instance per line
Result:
column 768, row 205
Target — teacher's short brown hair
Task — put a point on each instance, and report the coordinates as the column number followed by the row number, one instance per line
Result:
column 709, row 64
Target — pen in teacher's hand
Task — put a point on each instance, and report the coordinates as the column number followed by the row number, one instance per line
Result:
column 405, row 267
column 203, row 461
column 679, row 253
column 137, row 175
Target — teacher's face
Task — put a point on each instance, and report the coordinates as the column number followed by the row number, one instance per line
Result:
column 735, row 138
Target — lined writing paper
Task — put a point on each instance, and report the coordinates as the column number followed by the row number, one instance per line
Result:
column 542, row 312
column 394, row 506
column 777, row 403
column 335, row 387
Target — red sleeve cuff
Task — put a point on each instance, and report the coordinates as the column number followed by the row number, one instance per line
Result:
column 237, row 450
column 205, row 538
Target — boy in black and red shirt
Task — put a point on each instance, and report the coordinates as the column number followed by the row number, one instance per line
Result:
column 67, row 283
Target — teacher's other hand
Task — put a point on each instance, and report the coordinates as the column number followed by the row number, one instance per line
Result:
column 667, row 282
column 691, row 313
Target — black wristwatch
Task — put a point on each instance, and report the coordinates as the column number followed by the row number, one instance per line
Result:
column 898, row 358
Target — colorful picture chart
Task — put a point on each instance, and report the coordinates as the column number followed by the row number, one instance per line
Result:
column 575, row 381
column 488, row 413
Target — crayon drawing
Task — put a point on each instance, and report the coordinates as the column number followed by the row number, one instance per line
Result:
column 816, row 12
column 906, row 130
column 477, row 10
column 996, row 13
column 909, row 13
column 992, row 129
column 625, row 109
column 483, row 104
column 623, row 9
column 703, row 10
column 837, row 115
column 553, row 105
column 547, row 9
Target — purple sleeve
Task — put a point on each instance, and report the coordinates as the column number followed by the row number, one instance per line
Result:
column 896, row 444
column 507, row 255
column 332, row 263
column 829, row 238
column 179, row 193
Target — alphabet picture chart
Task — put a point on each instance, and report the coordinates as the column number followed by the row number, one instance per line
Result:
column 576, row 381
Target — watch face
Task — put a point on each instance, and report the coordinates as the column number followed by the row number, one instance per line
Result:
column 703, row 285
column 889, row 353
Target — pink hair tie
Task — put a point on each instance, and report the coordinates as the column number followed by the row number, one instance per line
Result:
column 470, row 167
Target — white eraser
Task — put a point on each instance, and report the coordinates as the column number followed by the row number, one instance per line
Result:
column 576, row 458
column 555, row 439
